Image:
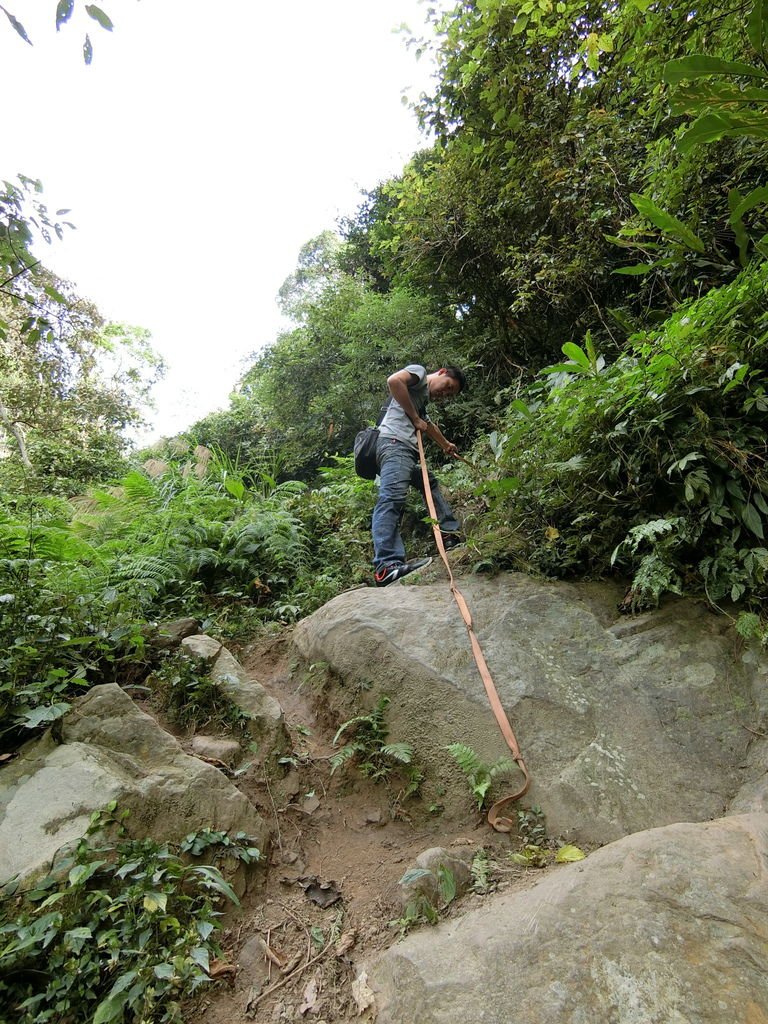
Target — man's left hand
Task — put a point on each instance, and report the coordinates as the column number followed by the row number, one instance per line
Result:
column 450, row 448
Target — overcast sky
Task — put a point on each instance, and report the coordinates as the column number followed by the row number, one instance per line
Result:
column 202, row 147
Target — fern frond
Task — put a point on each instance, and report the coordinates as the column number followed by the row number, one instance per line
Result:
column 378, row 715
column 343, row 756
column 14, row 541
column 60, row 544
column 147, row 570
column 402, row 752
column 139, row 489
column 465, row 757
column 348, row 725
column 502, row 767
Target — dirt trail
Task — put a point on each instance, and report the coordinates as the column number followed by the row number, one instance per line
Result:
column 340, row 845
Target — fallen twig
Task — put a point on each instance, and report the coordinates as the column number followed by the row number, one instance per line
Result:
column 284, row 981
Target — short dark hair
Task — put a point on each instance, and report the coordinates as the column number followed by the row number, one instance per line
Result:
column 457, row 374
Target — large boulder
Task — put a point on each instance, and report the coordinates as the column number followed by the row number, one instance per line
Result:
column 107, row 749
column 625, row 723
column 666, row 927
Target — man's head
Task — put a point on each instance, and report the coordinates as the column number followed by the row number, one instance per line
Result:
column 447, row 382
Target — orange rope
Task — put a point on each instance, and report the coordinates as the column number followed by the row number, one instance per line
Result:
column 495, row 816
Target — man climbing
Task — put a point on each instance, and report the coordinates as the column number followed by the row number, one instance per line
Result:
column 398, row 461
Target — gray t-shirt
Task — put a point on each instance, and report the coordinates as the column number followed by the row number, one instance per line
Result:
column 395, row 422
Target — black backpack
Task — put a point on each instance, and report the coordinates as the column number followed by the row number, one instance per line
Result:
column 364, row 448
column 365, row 452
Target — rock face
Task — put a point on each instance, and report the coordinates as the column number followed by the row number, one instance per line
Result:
column 625, row 724
column 666, row 927
column 262, row 714
column 110, row 750
column 168, row 635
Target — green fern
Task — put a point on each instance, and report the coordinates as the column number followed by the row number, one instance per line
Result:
column 479, row 775
column 149, row 572
column 401, row 752
column 369, row 747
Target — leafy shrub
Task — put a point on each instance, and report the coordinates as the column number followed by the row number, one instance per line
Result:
column 655, row 464
column 118, row 932
column 189, row 696
column 79, row 580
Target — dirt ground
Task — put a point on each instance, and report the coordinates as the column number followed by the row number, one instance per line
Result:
column 330, row 900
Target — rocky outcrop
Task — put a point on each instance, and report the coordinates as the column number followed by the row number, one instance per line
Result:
column 669, row 926
column 626, row 724
column 637, row 731
column 108, row 749
column 261, row 714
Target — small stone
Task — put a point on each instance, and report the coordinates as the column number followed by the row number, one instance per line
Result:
column 170, row 634
column 252, row 962
column 201, row 648
column 310, row 804
column 373, row 817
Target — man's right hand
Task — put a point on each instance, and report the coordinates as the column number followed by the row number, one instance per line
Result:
column 420, row 424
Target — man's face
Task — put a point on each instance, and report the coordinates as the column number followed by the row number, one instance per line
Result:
column 441, row 386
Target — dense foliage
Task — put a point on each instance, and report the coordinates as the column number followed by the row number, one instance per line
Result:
column 119, row 927
column 80, row 580
column 597, row 188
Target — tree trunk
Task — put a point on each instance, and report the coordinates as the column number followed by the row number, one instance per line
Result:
column 15, row 430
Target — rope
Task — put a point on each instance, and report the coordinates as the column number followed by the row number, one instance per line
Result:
column 496, row 817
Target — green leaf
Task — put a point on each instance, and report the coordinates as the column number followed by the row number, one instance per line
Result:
column 751, row 519
column 735, row 198
column 569, row 854
column 213, row 880
column 110, row 1008
column 64, row 12
column 87, row 50
column 17, row 25
column 155, row 901
column 200, row 956
column 695, row 97
column 413, row 875
column 757, row 25
column 666, row 222
column 126, row 869
column 635, row 270
column 54, row 294
column 563, row 368
column 234, row 487
column 711, row 127
column 749, row 202
column 446, row 884
column 519, row 406
column 44, row 713
column 82, row 872
column 702, row 64
column 576, row 354
column 98, row 15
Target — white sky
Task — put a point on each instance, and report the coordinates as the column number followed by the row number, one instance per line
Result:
column 203, row 146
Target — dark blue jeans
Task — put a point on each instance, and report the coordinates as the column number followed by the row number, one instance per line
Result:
column 398, row 469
